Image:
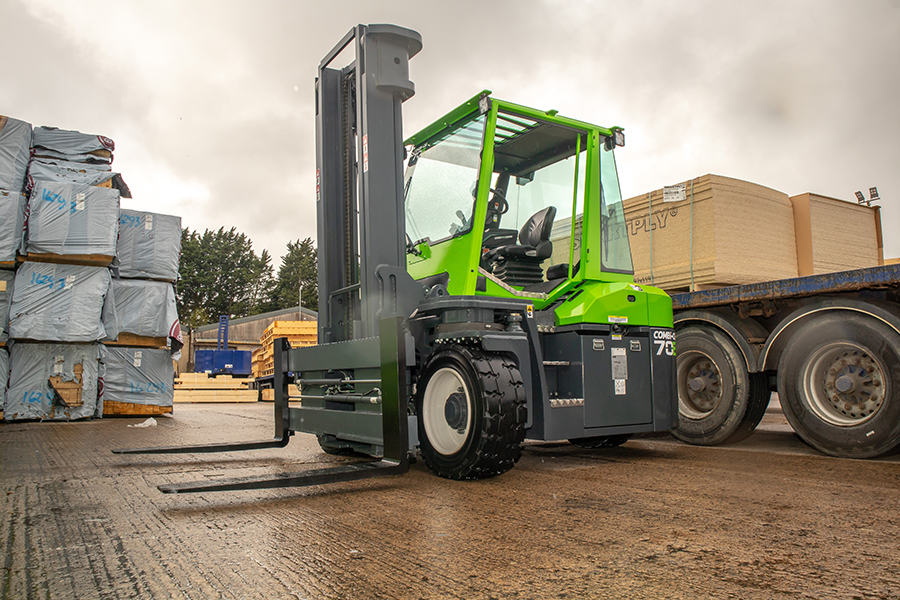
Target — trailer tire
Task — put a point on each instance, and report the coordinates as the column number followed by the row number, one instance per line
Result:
column 836, row 379
column 719, row 401
column 470, row 408
column 602, row 441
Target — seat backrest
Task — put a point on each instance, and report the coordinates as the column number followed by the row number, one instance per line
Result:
column 537, row 228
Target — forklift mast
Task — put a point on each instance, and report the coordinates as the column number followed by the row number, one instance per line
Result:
column 359, row 178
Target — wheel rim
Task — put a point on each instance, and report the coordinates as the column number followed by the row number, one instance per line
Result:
column 845, row 384
column 699, row 385
column 447, row 411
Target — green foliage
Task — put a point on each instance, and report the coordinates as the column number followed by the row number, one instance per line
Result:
column 220, row 274
column 298, row 267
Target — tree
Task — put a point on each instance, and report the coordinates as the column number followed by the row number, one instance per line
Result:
column 221, row 275
column 298, row 267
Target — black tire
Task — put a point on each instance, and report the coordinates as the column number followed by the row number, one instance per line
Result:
column 832, row 352
column 602, row 441
column 719, row 401
column 470, row 407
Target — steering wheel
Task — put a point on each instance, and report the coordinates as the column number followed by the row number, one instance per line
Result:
column 498, row 204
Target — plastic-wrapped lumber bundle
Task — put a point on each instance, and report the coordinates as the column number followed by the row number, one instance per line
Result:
column 15, row 150
column 138, row 376
column 46, row 169
column 146, row 313
column 61, row 303
column 12, row 222
column 149, row 245
column 6, row 289
column 75, row 223
column 52, row 142
column 53, row 381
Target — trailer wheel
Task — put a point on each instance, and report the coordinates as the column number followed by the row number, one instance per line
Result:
column 471, row 413
column 603, row 441
column 719, row 401
column 836, row 379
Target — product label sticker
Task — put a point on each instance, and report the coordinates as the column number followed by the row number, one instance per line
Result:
column 137, row 358
column 70, row 280
column 58, row 364
column 637, row 288
column 620, row 387
column 614, row 319
column 79, row 201
column 619, row 363
column 529, row 311
column 617, row 337
column 365, row 153
column 148, row 222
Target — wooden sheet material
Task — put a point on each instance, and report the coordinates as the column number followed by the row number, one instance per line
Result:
column 69, row 391
column 742, row 233
column 835, row 235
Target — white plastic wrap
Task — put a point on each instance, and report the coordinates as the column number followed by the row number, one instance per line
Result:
column 138, row 376
column 6, row 290
column 30, row 394
column 149, row 245
column 145, row 308
column 12, row 223
column 53, row 142
column 45, row 169
column 59, row 303
column 15, row 150
column 72, row 218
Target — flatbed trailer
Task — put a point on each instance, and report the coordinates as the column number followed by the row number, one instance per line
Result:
column 828, row 344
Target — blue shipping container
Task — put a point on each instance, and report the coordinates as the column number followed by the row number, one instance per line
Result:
column 231, row 362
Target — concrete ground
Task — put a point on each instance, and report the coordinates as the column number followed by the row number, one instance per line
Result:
column 765, row 518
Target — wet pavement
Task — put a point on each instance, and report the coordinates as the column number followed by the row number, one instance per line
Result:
column 765, row 518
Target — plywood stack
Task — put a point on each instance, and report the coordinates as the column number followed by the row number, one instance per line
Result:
column 298, row 333
column 724, row 232
column 835, row 235
column 199, row 387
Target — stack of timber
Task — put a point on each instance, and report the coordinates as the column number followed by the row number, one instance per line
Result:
column 834, row 235
column 298, row 333
column 722, row 231
column 268, row 394
column 199, row 387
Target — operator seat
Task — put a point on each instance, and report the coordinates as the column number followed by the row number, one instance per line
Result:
column 520, row 264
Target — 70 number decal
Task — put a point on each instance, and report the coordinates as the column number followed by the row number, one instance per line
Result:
column 664, row 342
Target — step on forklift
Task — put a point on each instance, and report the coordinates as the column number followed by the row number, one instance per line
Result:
column 449, row 319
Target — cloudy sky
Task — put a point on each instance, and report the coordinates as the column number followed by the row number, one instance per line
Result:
column 211, row 103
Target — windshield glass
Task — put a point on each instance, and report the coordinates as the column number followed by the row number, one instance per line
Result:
column 615, row 254
column 441, row 180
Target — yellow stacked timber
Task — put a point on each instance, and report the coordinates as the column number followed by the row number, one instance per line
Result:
column 113, row 408
column 268, row 394
column 835, row 235
column 257, row 360
column 742, row 233
column 298, row 333
column 200, row 387
column 140, row 341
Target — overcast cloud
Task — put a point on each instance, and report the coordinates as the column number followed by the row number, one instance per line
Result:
column 211, row 103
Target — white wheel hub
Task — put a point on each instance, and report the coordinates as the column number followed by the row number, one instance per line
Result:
column 447, row 411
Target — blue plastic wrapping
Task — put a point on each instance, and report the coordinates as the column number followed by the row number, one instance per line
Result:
column 138, row 376
column 15, row 150
column 31, row 395
column 72, row 218
column 149, row 245
column 60, row 303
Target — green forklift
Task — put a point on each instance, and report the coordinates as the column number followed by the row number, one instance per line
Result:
column 481, row 298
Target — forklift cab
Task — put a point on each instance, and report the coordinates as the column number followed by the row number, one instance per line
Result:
column 497, row 197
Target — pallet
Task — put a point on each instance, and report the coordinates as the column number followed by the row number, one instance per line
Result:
column 141, row 341
column 182, row 396
column 112, row 408
column 86, row 260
